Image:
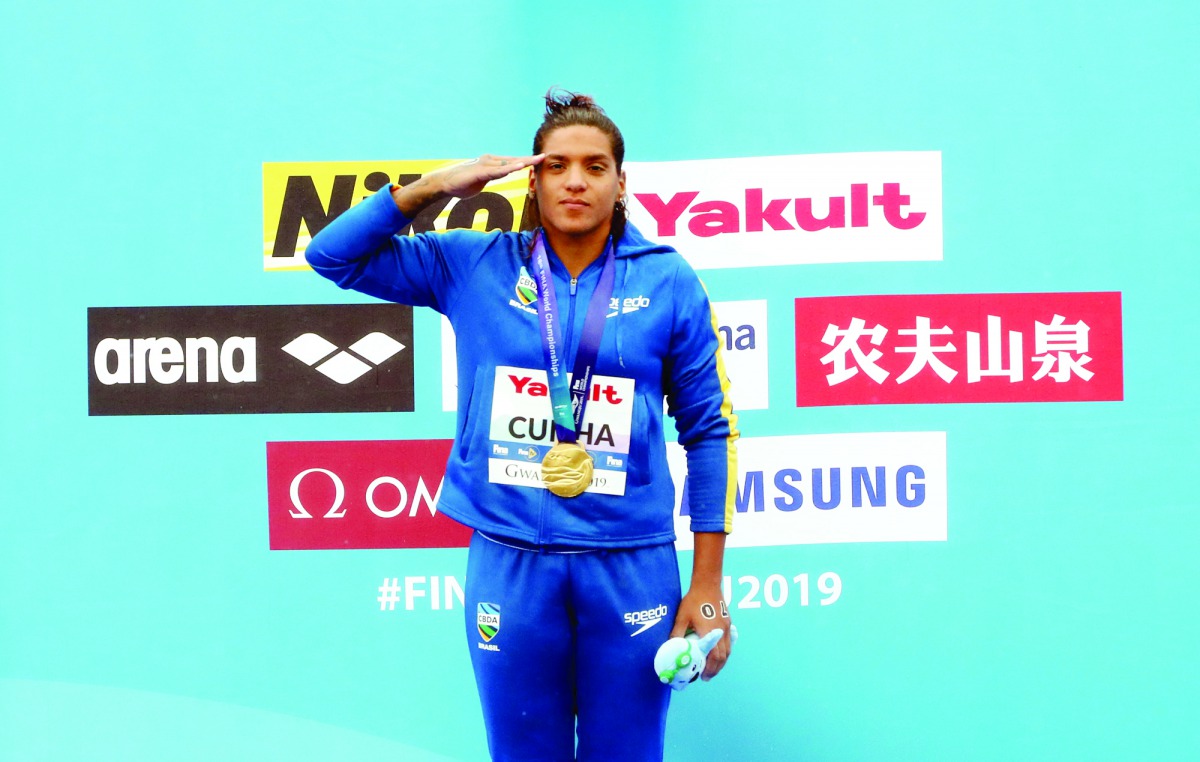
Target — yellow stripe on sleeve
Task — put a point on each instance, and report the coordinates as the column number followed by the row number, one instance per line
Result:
column 731, row 467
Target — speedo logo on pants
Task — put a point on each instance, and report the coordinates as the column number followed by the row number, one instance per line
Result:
column 644, row 620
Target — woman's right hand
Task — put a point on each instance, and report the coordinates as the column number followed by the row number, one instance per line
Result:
column 458, row 180
column 469, row 177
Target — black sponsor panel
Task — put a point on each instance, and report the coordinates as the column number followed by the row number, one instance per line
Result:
column 339, row 358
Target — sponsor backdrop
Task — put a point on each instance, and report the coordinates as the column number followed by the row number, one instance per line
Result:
column 951, row 252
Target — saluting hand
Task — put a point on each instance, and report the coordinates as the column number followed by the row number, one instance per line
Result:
column 458, row 180
column 469, row 177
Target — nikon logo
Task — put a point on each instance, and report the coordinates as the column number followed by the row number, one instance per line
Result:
column 301, row 198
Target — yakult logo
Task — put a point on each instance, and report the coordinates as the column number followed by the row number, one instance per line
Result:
column 600, row 392
column 793, row 209
column 716, row 216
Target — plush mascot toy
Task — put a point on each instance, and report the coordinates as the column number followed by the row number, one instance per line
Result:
column 680, row 661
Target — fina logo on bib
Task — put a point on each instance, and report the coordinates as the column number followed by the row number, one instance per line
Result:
column 487, row 618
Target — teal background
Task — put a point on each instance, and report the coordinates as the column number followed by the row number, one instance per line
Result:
column 141, row 613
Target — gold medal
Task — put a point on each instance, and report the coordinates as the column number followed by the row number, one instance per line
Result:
column 567, row 469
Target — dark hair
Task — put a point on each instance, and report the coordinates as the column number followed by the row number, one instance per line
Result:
column 567, row 109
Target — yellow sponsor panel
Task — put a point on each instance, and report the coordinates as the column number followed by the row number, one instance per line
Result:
column 301, row 198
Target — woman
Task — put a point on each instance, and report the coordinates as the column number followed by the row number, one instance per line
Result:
column 572, row 565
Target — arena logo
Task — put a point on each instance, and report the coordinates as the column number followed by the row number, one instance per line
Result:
column 782, row 210
column 832, row 488
column 358, row 495
column 741, row 329
column 259, row 359
column 343, row 366
column 167, row 360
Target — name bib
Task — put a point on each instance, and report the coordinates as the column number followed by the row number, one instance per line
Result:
column 522, row 429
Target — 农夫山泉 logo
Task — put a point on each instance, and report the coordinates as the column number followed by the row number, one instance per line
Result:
column 935, row 348
column 359, row 495
column 250, row 359
column 301, row 198
column 831, row 488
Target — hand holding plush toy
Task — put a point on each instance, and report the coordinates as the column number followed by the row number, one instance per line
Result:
column 680, row 661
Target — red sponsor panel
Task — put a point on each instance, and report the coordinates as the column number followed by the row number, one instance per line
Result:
column 354, row 495
column 934, row 348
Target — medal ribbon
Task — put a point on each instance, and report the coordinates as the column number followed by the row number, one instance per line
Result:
column 569, row 404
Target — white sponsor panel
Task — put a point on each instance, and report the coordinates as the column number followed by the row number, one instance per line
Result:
column 832, row 488
column 743, row 333
column 787, row 210
column 522, row 429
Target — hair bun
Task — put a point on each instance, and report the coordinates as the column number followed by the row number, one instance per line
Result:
column 559, row 100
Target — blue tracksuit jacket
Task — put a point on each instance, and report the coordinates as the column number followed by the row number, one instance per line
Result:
column 660, row 339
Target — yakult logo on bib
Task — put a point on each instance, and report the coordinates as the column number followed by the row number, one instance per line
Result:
column 522, row 429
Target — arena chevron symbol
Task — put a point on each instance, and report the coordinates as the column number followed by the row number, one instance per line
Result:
column 343, row 366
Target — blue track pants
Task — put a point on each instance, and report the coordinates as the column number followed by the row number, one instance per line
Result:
column 563, row 644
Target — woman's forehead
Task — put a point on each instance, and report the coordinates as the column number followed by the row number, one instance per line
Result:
column 578, row 140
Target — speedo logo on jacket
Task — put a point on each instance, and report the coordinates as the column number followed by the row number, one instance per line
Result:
column 646, row 618
column 627, row 305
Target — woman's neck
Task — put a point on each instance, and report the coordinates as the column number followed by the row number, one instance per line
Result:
column 577, row 252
